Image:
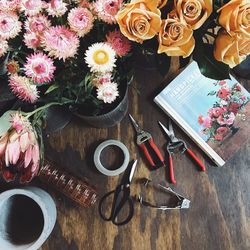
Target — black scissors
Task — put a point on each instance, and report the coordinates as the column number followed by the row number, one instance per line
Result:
column 121, row 198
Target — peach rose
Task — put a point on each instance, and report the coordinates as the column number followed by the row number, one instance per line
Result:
column 162, row 3
column 139, row 20
column 175, row 38
column 231, row 50
column 194, row 12
column 235, row 17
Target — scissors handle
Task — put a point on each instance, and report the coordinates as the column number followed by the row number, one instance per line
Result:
column 171, row 169
column 152, row 153
column 116, row 207
column 196, row 159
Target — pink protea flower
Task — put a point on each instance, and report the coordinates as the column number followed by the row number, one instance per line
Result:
column 106, row 10
column 3, row 47
column 37, row 24
column 39, row 67
column 60, row 42
column 9, row 25
column 107, row 92
column 32, row 40
column 32, row 7
column 118, row 42
column 6, row 5
column 80, row 20
column 19, row 150
column 56, row 8
column 23, row 88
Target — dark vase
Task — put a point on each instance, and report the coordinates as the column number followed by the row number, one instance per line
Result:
column 110, row 118
column 243, row 69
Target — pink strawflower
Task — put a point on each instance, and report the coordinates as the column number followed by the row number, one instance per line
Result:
column 100, row 79
column 23, row 88
column 32, row 40
column 39, row 67
column 207, row 122
column 37, row 24
column 10, row 26
column 107, row 92
column 226, row 119
column 106, row 10
column 118, row 42
column 32, row 7
column 56, row 8
column 80, row 20
column 3, row 47
column 60, row 42
column 19, row 150
column 224, row 93
column 6, row 5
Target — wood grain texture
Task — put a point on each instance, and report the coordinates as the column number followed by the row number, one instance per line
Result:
column 219, row 216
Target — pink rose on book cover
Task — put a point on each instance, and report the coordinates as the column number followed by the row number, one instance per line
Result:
column 224, row 93
column 226, row 119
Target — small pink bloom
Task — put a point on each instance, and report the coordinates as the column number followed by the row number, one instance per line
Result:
column 32, row 40
column 9, row 5
column 231, row 118
column 32, row 7
column 3, row 47
column 223, row 82
column 23, row 88
column 118, row 42
column 224, row 93
column 238, row 87
column 234, row 107
column 207, row 122
column 37, row 24
column 39, row 67
column 56, row 8
column 200, row 119
column 10, row 26
column 218, row 137
column 216, row 112
column 100, row 79
column 106, row 10
column 243, row 98
column 226, row 119
column 60, row 42
column 222, row 131
column 80, row 20
column 107, row 92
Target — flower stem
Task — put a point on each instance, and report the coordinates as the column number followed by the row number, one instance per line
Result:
column 29, row 114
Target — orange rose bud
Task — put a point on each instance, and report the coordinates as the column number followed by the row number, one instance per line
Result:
column 194, row 12
column 175, row 38
column 139, row 20
column 235, row 17
column 231, row 50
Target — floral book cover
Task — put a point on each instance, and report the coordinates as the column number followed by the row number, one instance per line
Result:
column 215, row 114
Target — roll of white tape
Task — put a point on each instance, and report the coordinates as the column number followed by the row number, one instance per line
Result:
column 97, row 158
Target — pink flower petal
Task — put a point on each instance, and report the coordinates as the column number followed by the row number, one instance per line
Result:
column 35, row 154
column 24, row 141
column 14, row 152
column 3, row 143
column 28, row 156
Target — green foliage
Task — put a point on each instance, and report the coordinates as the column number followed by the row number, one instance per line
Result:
column 5, row 124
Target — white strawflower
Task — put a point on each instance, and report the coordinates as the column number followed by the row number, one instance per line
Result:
column 100, row 57
column 107, row 92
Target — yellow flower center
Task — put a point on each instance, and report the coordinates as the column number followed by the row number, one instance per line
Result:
column 101, row 56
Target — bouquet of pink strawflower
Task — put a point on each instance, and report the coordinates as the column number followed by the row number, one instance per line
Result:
column 19, row 150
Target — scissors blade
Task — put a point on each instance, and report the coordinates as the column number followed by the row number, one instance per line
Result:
column 135, row 124
column 165, row 129
column 132, row 171
column 169, row 132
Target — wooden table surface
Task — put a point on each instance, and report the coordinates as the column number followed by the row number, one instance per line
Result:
column 219, row 216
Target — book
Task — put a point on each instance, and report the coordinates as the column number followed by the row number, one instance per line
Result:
column 214, row 114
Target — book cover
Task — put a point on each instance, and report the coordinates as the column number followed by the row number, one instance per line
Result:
column 215, row 114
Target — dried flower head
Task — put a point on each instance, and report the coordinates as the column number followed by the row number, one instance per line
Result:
column 13, row 67
column 107, row 92
column 3, row 47
column 56, row 8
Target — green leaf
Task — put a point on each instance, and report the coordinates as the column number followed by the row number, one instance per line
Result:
column 209, row 66
column 5, row 124
column 52, row 88
column 212, row 93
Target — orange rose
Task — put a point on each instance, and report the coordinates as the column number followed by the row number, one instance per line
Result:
column 175, row 38
column 235, row 17
column 139, row 20
column 162, row 3
column 194, row 12
column 231, row 50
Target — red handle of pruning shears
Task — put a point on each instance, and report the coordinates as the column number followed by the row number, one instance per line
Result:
column 149, row 149
column 171, row 169
column 196, row 159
